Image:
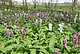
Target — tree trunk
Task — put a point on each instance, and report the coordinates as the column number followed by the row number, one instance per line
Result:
column 10, row 3
column 74, row 3
column 26, row 2
column 34, row 4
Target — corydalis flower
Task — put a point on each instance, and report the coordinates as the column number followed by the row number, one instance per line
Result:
column 50, row 25
column 0, row 18
column 75, row 38
column 17, row 30
column 33, row 12
column 28, row 16
column 13, row 18
column 65, row 42
column 16, row 20
column 5, row 26
column 9, row 32
column 65, row 13
column 55, row 52
column 37, row 15
column 67, row 18
column 23, row 32
column 61, row 26
column 7, row 20
column 11, row 13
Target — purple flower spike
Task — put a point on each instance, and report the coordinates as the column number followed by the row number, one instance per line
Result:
column 16, row 20
column 37, row 15
column 11, row 13
column 75, row 38
column 33, row 12
column 0, row 18
column 13, row 18
column 17, row 30
column 23, row 32
column 28, row 16
column 55, row 52
column 65, row 42
column 5, row 26
column 7, row 20
column 67, row 18
column 65, row 13
column 9, row 32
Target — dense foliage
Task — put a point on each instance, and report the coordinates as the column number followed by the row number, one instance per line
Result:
column 25, row 33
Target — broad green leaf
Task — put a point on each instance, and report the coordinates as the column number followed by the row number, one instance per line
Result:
column 40, row 53
column 61, row 42
column 43, row 50
column 51, row 44
column 68, row 48
column 32, row 51
column 8, row 48
column 13, row 52
column 25, row 53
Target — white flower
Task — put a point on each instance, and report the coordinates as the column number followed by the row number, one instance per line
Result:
column 15, row 13
column 50, row 26
column 75, row 18
column 40, row 20
column 8, row 9
column 5, row 9
column 61, row 27
column 36, row 21
column 22, row 11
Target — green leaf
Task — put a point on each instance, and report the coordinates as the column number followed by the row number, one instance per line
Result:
column 8, row 48
column 40, row 53
column 13, row 52
column 43, row 50
column 68, row 48
column 61, row 42
column 51, row 44
column 32, row 51
column 25, row 53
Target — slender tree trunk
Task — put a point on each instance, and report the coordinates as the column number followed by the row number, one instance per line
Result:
column 23, row 4
column 10, row 3
column 4, row 2
column 34, row 4
column 26, row 3
column 74, row 3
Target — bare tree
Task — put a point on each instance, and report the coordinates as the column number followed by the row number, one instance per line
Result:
column 10, row 3
column 34, row 1
column 26, row 2
column 74, row 3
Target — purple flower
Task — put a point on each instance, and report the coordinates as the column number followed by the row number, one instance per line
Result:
column 0, row 18
column 5, row 26
column 23, row 32
column 28, row 16
column 70, row 16
column 65, row 42
column 7, row 20
column 17, row 30
column 11, row 13
column 33, row 12
column 16, row 20
column 13, row 18
column 75, row 38
column 65, row 13
column 67, row 17
column 59, row 15
column 9, row 32
column 55, row 52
